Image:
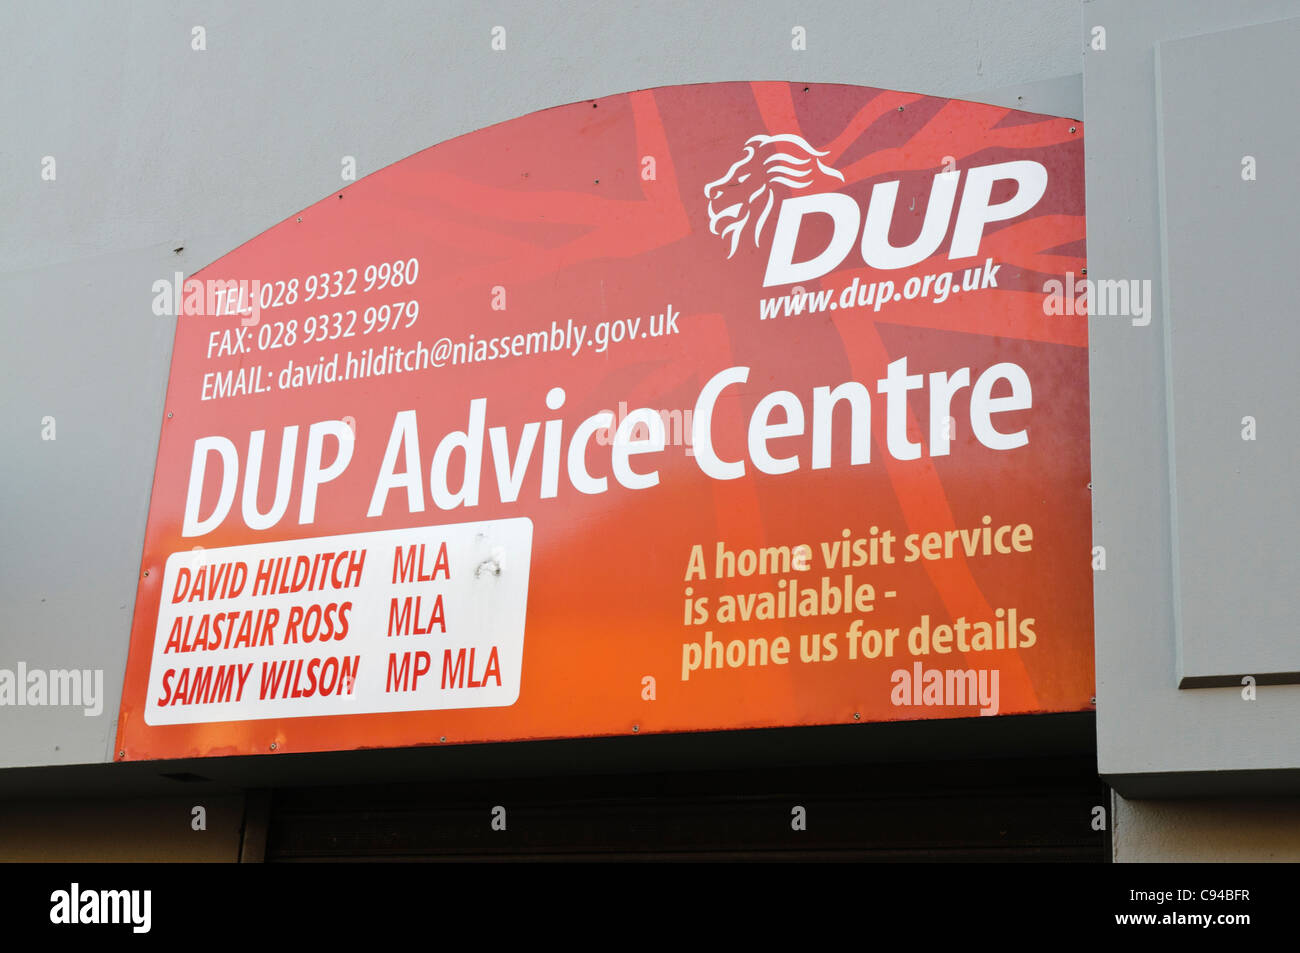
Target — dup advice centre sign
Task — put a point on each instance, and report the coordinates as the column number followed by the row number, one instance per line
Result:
column 700, row 407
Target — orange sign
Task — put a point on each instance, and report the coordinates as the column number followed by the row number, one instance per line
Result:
column 703, row 407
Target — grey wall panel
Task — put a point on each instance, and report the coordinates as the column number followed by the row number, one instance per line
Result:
column 1230, row 258
column 160, row 147
column 1146, row 725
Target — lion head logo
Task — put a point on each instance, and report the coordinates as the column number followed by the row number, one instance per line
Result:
column 749, row 187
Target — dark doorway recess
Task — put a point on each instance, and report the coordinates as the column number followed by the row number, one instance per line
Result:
column 1001, row 809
